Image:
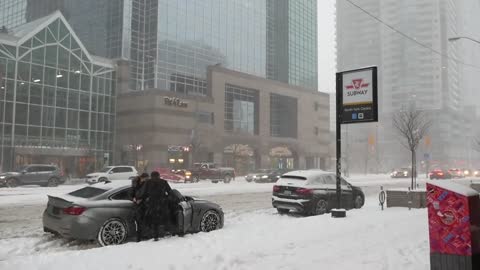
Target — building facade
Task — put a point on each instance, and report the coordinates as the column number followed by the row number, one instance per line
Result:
column 410, row 77
column 57, row 101
column 171, row 43
column 244, row 121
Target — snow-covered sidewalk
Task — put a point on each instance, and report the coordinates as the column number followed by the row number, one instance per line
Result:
column 367, row 239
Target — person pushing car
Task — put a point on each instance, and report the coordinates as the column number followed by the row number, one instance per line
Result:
column 139, row 206
column 155, row 194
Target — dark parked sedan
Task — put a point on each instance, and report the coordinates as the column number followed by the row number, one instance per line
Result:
column 103, row 212
column 312, row 192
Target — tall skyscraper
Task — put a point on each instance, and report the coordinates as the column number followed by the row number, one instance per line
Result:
column 171, row 42
column 411, row 76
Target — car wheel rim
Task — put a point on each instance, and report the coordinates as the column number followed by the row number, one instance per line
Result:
column 321, row 207
column 358, row 202
column 210, row 221
column 52, row 183
column 113, row 233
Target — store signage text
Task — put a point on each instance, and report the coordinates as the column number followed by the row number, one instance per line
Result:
column 175, row 102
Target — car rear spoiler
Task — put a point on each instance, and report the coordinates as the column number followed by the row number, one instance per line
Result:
column 57, row 201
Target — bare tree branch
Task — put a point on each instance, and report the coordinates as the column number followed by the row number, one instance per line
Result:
column 412, row 126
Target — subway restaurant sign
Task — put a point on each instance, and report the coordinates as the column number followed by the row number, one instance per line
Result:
column 357, row 95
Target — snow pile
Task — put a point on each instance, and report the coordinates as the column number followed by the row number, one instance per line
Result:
column 367, row 239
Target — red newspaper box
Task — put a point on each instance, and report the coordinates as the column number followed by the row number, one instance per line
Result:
column 453, row 222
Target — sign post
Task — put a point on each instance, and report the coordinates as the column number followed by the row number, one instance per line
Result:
column 357, row 102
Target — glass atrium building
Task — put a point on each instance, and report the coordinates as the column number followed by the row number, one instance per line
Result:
column 57, row 101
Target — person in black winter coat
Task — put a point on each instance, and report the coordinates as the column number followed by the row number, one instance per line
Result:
column 155, row 194
column 139, row 205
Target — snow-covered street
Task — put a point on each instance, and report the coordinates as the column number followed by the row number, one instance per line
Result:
column 372, row 239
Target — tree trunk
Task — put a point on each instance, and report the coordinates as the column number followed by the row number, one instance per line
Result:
column 413, row 160
column 414, row 169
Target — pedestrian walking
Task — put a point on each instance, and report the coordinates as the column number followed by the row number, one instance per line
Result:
column 155, row 194
column 139, row 205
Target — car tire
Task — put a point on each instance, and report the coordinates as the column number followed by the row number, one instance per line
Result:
column 52, row 182
column 215, row 181
column 283, row 211
column 113, row 232
column 102, row 179
column 196, row 179
column 358, row 203
column 210, row 221
column 227, row 179
column 11, row 182
column 320, row 207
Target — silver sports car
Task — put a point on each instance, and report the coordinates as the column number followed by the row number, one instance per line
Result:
column 104, row 212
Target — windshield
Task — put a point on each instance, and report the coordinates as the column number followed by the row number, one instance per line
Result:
column 106, row 169
column 294, row 177
column 87, row 192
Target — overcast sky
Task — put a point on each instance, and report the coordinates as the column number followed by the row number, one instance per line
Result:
column 326, row 45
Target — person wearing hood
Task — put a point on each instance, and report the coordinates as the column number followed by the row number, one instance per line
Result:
column 139, row 206
column 155, row 194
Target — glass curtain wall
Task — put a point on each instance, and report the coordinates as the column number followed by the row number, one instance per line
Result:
column 53, row 96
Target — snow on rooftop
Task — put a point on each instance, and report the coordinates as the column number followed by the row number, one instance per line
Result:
column 454, row 187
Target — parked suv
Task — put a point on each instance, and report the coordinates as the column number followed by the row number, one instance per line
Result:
column 112, row 173
column 35, row 174
column 313, row 192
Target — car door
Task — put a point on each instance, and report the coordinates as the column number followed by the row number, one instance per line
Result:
column 187, row 211
column 123, row 207
column 347, row 195
column 125, row 173
column 115, row 173
column 30, row 174
column 330, row 187
column 42, row 175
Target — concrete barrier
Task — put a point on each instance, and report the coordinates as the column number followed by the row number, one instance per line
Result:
column 405, row 198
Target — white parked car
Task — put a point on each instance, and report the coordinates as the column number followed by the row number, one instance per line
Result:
column 112, row 173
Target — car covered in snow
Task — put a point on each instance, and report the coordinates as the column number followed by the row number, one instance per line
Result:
column 313, row 192
column 110, row 173
column 104, row 212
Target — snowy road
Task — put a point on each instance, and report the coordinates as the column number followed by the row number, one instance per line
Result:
column 21, row 234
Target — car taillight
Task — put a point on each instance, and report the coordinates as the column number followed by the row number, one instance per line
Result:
column 276, row 188
column 304, row 191
column 440, row 173
column 74, row 210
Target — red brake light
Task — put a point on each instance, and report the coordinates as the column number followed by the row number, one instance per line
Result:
column 74, row 210
column 276, row 188
column 304, row 191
